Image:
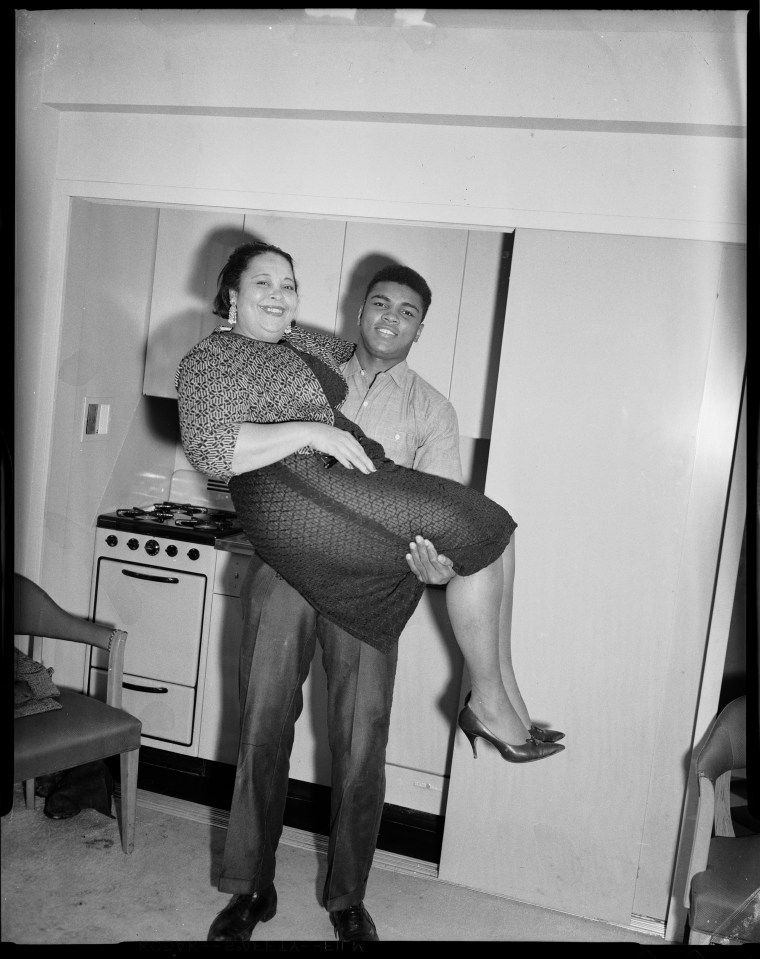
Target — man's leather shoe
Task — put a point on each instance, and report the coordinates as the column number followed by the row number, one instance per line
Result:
column 354, row 924
column 237, row 920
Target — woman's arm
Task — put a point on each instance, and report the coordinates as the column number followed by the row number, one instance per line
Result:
column 213, row 414
column 261, row 444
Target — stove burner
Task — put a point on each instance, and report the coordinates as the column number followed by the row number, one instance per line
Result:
column 216, row 522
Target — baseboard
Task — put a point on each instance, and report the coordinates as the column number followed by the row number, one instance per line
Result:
column 409, row 833
column 299, row 838
column 652, row 927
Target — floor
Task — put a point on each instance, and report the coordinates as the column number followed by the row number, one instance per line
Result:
column 68, row 881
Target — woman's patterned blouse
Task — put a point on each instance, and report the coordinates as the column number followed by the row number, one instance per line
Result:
column 228, row 379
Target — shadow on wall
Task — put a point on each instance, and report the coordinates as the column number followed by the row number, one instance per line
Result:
column 175, row 334
column 497, row 335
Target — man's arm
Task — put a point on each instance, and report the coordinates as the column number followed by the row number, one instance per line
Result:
column 438, row 454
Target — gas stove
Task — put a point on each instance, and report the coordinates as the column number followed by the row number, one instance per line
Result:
column 154, row 571
column 186, row 522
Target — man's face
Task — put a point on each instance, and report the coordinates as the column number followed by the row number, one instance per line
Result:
column 390, row 320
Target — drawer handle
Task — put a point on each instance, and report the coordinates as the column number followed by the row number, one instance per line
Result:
column 153, row 579
column 145, row 689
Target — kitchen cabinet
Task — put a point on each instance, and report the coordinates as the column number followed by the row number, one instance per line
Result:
column 191, row 249
column 220, row 720
column 439, row 255
column 220, row 723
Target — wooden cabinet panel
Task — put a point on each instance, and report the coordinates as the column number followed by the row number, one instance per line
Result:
column 438, row 254
column 479, row 333
column 316, row 246
column 192, row 247
column 220, row 721
column 601, row 405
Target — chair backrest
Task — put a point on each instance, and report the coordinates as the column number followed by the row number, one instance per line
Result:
column 725, row 749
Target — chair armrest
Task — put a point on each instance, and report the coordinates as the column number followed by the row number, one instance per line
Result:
column 702, row 834
column 115, row 668
column 36, row 614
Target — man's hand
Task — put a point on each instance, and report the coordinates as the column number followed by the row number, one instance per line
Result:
column 427, row 564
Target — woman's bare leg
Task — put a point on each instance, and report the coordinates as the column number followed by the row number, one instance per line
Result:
column 475, row 609
column 505, row 636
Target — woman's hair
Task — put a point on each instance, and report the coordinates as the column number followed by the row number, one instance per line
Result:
column 233, row 269
column 403, row 274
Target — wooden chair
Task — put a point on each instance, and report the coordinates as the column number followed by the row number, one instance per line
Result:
column 724, row 869
column 84, row 729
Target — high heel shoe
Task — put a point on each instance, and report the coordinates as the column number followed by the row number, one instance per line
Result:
column 533, row 749
column 536, row 732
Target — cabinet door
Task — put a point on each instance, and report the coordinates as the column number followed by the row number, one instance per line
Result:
column 220, row 722
column 438, row 254
column 425, row 701
column 316, row 246
column 617, row 404
column 192, row 248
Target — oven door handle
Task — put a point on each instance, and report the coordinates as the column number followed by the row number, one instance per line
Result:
column 145, row 689
column 153, row 579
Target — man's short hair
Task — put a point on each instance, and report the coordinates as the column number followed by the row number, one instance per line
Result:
column 395, row 273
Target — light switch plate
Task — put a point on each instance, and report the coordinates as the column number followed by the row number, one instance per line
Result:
column 96, row 417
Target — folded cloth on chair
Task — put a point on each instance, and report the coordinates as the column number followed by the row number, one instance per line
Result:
column 33, row 689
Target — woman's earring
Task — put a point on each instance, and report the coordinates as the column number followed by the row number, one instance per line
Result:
column 232, row 314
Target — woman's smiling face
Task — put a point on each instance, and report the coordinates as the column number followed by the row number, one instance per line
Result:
column 267, row 299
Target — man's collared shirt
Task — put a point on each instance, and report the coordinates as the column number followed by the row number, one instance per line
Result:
column 416, row 424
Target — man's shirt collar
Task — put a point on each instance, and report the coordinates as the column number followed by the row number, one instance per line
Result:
column 397, row 373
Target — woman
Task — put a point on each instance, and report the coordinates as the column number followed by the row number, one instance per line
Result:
column 259, row 407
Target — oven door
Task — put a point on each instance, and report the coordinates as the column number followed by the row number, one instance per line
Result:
column 161, row 610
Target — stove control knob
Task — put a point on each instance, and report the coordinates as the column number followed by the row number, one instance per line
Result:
column 193, row 553
column 132, row 543
column 111, row 540
column 171, row 550
column 152, row 547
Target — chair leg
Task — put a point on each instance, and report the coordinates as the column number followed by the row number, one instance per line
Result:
column 29, row 793
column 128, row 764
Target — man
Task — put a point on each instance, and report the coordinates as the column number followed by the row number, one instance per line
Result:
column 418, row 428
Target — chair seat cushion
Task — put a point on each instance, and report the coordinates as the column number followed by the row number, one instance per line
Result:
column 82, row 730
column 732, row 875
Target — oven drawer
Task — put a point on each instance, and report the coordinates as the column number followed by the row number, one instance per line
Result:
column 166, row 712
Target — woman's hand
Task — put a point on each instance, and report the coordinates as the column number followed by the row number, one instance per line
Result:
column 346, row 449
